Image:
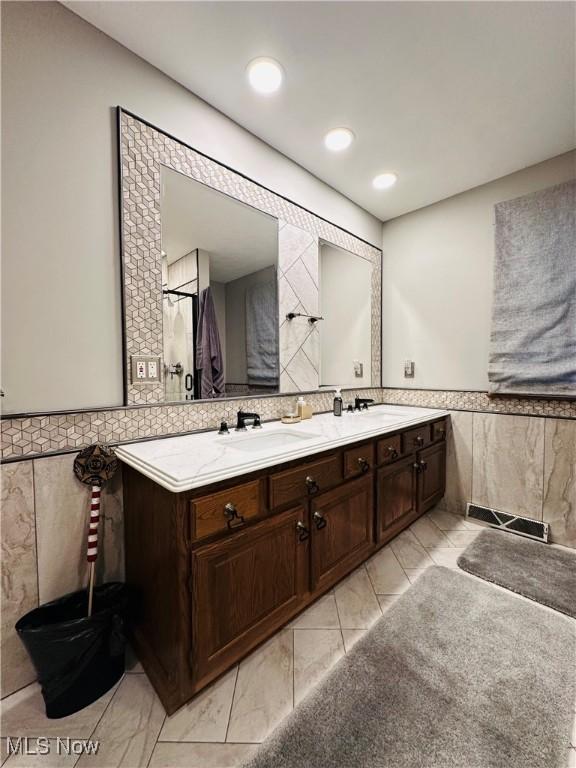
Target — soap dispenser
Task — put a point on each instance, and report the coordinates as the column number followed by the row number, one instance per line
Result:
column 303, row 409
column 337, row 408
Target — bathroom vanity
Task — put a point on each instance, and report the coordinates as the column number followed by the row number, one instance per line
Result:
column 229, row 537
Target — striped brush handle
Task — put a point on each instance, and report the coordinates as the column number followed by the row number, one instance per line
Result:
column 92, row 552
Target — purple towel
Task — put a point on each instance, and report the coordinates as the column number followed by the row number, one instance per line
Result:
column 208, row 351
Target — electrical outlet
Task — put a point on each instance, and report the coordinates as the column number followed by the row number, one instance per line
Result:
column 409, row 369
column 358, row 369
column 145, row 369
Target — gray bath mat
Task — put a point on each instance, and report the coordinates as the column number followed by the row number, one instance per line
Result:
column 530, row 568
column 455, row 675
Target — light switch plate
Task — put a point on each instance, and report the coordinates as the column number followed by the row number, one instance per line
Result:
column 409, row 369
column 145, row 369
column 358, row 369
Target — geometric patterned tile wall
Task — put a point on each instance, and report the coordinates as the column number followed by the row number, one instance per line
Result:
column 143, row 150
column 28, row 436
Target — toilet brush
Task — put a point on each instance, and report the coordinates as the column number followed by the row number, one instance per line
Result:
column 93, row 466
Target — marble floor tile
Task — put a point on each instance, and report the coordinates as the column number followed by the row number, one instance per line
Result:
column 133, row 666
column 185, row 755
column 130, row 726
column 446, row 556
column 351, row 637
column 205, row 718
column 386, row 573
column 264, row 690
column 507, row 471
column 559, row 508
column 414, row 573
column 446, row 521
column 322, row 615
column 19, row 572
column 56, row 758
column 316, row 651
column 23, row 714
column 462, row 538
column 428, row 534
column 358, row 607
column 409, row 551
column 386, row 601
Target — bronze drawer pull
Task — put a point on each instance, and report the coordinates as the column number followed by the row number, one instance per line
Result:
column 312, row 485
column 233, row 518
column 303, row 532
column 320, row 521
column 364, row 464
column 392, row 452
column 423, row 466
column 419, row 440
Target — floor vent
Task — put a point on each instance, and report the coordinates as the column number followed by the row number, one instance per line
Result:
column 523, row 526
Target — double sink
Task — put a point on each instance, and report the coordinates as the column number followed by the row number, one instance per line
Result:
column 277, row 439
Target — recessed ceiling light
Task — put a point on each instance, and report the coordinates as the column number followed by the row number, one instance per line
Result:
column 384, row 180
column 338, row 139
column 265, row 75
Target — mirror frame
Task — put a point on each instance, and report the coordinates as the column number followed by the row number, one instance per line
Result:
column 143, row 150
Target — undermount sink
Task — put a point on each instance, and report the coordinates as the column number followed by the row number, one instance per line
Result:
column 269, row 441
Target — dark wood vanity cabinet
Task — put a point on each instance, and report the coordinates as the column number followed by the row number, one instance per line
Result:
column 215, row 571
column 342, row 527
column 244, row 587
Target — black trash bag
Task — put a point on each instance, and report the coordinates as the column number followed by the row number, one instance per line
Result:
column 77, row 658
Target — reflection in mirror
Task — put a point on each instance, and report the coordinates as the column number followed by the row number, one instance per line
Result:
column 219, row 283
column 345, row 304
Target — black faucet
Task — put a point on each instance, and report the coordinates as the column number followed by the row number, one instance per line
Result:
column 243, row 417
column 362, row 403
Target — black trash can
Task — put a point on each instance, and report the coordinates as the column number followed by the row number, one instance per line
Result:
column 77, row 658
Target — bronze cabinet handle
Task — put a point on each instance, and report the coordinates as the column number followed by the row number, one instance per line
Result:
column 419, row 440
column 320, row 520
column 392, row 452
column 303, row 532
column 417, row 466
column 312, row 485
column 233, row 519
column 423, row 466
column 364, row 464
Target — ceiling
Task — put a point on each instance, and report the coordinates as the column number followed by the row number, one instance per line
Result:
column 448, row 95
column 194, row 215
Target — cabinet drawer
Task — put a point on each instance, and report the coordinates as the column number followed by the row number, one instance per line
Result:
column 439, row 430
column 224, row 511
column 389, row 449
column 419, row 437
column 295, row 484
column 358, row 460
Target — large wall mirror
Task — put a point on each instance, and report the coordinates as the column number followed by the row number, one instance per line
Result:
column 231, row 290
column 219, row 293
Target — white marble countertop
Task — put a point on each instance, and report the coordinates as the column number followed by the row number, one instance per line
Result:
column 190, row 461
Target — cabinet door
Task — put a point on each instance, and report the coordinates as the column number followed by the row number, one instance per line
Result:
column 245, row 587
column 342, row 525
column 396, row 494
column 431, row 476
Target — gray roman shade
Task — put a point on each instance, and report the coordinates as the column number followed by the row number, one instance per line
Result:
column 533, row 340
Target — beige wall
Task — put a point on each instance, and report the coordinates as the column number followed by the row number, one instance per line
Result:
column 61, row 79
column 345, row 282
column 437, row 282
